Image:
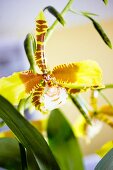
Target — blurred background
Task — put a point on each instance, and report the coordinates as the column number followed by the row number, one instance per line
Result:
column 78, row 40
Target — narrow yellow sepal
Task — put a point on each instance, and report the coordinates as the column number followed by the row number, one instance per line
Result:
column 41, row 16
column 106, row 110
column 79, row 75
column 105, row 148
column 80, row 127
column 12, row 88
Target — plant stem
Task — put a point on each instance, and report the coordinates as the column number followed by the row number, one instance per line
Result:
column 74, row 12
column 107, row 86
column 51, row 29
column 81, row 105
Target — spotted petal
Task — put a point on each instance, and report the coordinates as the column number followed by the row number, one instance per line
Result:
column 79, row 75
column 18, row 85
column 41, row 30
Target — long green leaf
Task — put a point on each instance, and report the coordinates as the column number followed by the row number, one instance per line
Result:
column 23, row 157
column 100, row 30
column 88, row 13
column 106, row 163
column 28, row 135
column 2, row 123
column 56, row 14
column 32, row 163
column 10, row 155
column 63, row 142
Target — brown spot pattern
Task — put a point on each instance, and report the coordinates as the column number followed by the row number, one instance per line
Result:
column 36, row 95
column 40, row 21
column 30, row 80
column 40, row 37
column 41, row 29
column 40, row 47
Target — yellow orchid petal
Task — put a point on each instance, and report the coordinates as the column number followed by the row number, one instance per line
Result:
column 6, row 134
column 2, row 135
column 41, row 125
column 79, row 75
column 80, row 127
column 105, row 148
column 107, row 110
column 86, row 131
column 12, row 88
column 18, row 85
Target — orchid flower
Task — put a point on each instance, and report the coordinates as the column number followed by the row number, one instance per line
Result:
column 102, row 115
column 49, row 89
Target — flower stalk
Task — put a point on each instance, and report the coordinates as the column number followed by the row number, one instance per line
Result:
column 53, row 26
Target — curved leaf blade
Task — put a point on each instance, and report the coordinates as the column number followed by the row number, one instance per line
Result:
column 30, row 48
column 106, row 162
column 24, row 164
column 88, row 13
column 63, row 142
column 28, row 135
column 8, row 159
column 56, row 14
column 11, row 160
column 100, row 30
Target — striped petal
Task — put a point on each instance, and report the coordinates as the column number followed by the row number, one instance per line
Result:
column 41, row 29
column 79, row 75
column 18, row 85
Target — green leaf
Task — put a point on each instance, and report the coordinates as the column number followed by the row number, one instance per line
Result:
column 56, row 14
column 23, row 157
column 88, row 13
column 100, row 30
column 28, row 135
column 7, row 145
column 63, row 142
column 105, row 1
column 32, row 163
column 9, row 154
column 106, row 163
column 81, row 105
column 30, row 48
column 2, row 123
